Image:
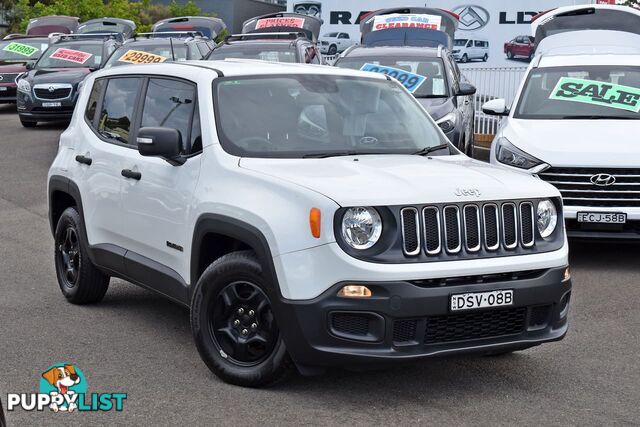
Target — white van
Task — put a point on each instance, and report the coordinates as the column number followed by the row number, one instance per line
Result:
column 465, row 50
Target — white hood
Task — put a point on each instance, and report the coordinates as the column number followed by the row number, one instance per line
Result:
column 402, row 179
column 580, row 143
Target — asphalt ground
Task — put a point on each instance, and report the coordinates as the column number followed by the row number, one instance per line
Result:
column 137, row 343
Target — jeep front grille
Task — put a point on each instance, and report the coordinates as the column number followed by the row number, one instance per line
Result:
column 467, row 228
column 578, row 189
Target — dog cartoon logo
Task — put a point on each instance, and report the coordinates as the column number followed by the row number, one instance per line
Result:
column 65, row 381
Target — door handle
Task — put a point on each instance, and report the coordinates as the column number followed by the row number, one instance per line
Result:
column 84, row 160
column 128, row 173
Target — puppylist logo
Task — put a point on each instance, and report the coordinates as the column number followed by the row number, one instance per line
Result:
column 63, row 388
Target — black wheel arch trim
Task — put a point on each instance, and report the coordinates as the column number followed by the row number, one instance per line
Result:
column 235, row 229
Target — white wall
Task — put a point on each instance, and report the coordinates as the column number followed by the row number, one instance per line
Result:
column 497, row 21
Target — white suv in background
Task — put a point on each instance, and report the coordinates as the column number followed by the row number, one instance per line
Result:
column 576, row 119
column 307, row 216
column 335, row 43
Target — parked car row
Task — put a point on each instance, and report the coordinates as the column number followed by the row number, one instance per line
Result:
column 308, row 216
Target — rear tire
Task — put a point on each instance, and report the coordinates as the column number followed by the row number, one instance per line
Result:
column 28, row 124
column 233, row 324
column 80, row 281
column 485, row 57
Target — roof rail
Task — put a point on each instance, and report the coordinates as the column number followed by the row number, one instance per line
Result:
column 168, row 34
column 57, row 37
column 252, row 36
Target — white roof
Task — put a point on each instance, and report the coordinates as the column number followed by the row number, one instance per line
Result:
column 232, row 67
column 592, row 42
column 560, row 10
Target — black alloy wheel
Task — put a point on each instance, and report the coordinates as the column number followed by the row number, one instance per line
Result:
column 69, row 257
column 242, row 325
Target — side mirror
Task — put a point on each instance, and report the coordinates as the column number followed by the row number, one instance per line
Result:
column 161, row 142
column 495, row 107
column 29, row 65
column 466, row 89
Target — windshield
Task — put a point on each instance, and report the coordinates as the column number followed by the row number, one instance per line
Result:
column 147, row 53
column 294, row 116
column 460, row 42
column 22, row 50
column 205, row 31
column 331, row 35
column 581, row 92
column 423, row 77
column 71, row 56
column 104, row 27
column 263, row 52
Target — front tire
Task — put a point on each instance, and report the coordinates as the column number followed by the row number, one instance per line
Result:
column 465, row 58
column 80, row 281
column 233, row 323
column 333, row 49
column 509, row 54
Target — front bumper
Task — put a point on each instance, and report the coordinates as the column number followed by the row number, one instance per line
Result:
column 31, row 108
column 408, row 320
column 628, row 231
column 7, row 93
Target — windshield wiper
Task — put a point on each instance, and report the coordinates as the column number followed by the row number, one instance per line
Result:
column 598, row 117
column 338, row 154
column 431, row 96
column 427, row 150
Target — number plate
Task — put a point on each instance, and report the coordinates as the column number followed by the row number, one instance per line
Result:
column 3, row 88
column 603, row 217
column 476, row 300
column 51, row 104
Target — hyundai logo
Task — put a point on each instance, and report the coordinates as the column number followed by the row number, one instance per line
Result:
column 603, row 179
column 472, row 17
column 52, row 89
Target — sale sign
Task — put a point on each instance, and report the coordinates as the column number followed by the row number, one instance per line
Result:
column 398, row 20
column 139, row 57
column 279, row 22
column 71, row 55
column 20, row 49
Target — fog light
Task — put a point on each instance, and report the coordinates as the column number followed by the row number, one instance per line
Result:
column 354, row 291
column 567, row 275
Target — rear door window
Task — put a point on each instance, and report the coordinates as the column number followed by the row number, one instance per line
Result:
column 117, row 111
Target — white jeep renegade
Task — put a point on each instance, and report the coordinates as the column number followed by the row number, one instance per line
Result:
column 308, row 216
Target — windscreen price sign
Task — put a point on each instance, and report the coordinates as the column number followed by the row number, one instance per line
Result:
column 20, row 49
column 398, row 20
column 71, row 55
column 595, row 92
column 409, row 80
column 139, row 57
column 280, row 22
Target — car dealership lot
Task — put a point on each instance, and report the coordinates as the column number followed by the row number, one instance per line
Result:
column 137, row 343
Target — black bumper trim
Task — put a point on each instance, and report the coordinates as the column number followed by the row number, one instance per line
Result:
column 311, row 344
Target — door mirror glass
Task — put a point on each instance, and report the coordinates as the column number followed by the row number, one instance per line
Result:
column 466, row 89
column 495, row 107
column 160, row 142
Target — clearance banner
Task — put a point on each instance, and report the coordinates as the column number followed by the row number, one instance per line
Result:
column 397, row 20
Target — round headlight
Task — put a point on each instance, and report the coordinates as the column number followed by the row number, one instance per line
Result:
column 361, row 227
column 547, row 218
